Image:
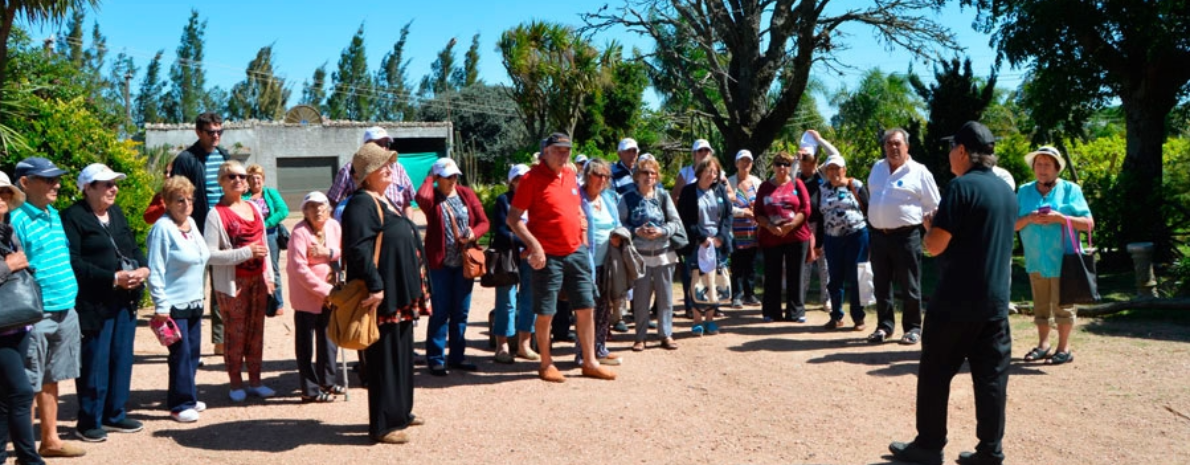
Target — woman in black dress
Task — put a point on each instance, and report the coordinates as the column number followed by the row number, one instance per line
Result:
column 397, row 288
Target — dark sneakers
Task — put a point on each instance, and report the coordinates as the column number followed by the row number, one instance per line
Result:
column 126, row 425
column 91, row 435
column 978, row 458
column 911, row 452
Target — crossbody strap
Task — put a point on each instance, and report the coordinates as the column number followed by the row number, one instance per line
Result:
column 379, row 237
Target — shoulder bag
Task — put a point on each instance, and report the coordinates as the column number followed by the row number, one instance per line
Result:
column 352, row 326
column 678, row 240
column 1078, row 283
column 22, row 298
column 474, row 264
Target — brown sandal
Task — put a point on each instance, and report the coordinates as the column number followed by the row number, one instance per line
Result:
column 639, row 346
column 669, row 344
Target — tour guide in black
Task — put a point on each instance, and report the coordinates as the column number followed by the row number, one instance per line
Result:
column 968, row 315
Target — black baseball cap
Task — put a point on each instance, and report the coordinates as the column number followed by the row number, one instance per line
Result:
column 557, row 138
column 973, row 134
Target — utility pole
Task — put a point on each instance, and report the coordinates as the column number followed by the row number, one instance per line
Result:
column 128, row 98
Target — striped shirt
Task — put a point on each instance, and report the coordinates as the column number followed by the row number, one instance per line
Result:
column 40, row 231
column 214, row 190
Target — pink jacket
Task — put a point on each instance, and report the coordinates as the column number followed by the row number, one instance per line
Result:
column 308, row 286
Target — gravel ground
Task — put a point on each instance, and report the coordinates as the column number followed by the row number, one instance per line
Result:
column 758, row 393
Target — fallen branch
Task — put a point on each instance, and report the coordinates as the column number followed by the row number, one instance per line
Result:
column 1135, row 304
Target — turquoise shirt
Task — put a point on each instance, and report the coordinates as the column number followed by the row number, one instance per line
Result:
column 41, row 233
column 214, row 189
column 1045, row 244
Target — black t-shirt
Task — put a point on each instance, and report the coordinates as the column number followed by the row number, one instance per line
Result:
column 979, row 211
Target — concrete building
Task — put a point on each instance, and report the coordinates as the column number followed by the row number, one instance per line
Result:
column 300, row 158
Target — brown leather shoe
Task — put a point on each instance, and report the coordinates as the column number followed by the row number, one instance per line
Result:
column 394, row 437
column 599, row 373
column 551, row 374
column 417, row 421
column 219, row 349
column 67, row 450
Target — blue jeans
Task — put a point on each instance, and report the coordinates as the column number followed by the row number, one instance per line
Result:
column 448, row 322
column 843, row 254
column 525, row 318
column 105, row 379
column 183, row 364
column 506, row 306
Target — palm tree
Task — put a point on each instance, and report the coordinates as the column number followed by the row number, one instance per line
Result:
column 34, row 11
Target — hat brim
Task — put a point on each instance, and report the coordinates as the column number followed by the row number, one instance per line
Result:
column 46, row 173
column 18, row 197
column 1029, row 157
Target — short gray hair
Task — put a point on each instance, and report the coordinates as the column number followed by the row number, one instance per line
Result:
column 887, row 133
column 982, row 156
column 596, row 165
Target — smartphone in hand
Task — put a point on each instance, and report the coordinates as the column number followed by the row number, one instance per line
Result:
column 1044, row 210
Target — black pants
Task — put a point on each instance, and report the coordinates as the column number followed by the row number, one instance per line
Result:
column 743, row 273
column 944, row 346
column 897, row 257
column 16, row 400
column 560, row 325
column 390, row 379
column 787, row 258
column 315, row 353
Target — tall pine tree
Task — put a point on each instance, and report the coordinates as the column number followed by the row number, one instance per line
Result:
column 314, row 90
column 469, row 74
column 261, row 95
column 147, row 108
column 352, row 91
column 439, row 79
column 393, row 82
column 187, row 97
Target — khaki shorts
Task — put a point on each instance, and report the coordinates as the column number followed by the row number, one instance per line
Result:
column 55, row 349
column 1046, row 309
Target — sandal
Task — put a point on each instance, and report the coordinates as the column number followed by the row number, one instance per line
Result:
column 322, row 398
column 335, row 389
column 669, row 344
column 1060, row 358
column 639, row 346
column 1037, row 353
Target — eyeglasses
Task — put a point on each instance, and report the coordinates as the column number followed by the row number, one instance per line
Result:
column 953, row 144
column 51, row 180
column 213, row 132
column 184, row 200
column 647, row 173
column 105, row 185
column 782, row 164
column 236, row 176
column 601, row 175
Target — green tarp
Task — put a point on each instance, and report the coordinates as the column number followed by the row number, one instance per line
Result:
column 418, row 165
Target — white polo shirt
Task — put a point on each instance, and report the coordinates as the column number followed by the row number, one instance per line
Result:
column 900, row 198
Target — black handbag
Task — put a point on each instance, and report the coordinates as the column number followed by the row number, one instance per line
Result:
column 502, row 268
column 1078, row 283
column 678, row 241
column 22, row 299
column 282, row 237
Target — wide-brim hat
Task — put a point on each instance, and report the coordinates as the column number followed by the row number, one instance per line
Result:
column 1047, row 151
column 370, row 158
column 18, row 197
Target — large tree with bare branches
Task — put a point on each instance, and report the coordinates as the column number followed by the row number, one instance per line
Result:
column 731, row 54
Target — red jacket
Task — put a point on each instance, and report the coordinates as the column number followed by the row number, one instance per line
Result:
column 429, row 200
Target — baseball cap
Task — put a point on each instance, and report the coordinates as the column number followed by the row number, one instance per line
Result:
column 97, row 172
column 743, row 154
column 702, row 144
column 37, row 166
column 445, row 168
column 835, row 160
column 557, row 138
column 971, row 135
column 517, row 170
column 317, row 197
column 581, row 158
column 375, row 133
column 646, row 156
column 627, row 144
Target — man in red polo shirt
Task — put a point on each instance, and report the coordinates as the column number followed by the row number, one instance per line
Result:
column 550, row 194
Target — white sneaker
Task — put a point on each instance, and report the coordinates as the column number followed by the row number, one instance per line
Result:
column 237, row 395
column 200, row 406
column 186, row 416
column 261, row 391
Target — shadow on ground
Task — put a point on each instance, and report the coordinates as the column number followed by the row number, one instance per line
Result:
column 283, row 435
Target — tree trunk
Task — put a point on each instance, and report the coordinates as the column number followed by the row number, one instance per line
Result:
column 5, row 30
column 1141, row 181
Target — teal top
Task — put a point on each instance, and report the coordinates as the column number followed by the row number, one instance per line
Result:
column 1045, row 244
column 277, row 211
column 213, row 188
column 40, row 232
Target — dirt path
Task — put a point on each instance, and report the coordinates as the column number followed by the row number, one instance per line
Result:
column 758, row 393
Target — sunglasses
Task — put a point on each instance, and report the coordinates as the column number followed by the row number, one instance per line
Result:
column 782, row 164
column 647, row 173
column 53, row 180
column 213, row 132
column 237, row 176
column 105, row 185
column 601, row 175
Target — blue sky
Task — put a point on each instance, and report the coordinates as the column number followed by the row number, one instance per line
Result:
column 306, row 34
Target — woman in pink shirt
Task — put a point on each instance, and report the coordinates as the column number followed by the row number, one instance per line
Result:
column 782, row 207
column 314, row 249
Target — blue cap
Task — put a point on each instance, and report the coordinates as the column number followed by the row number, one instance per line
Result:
column 37, row 166
column 556, row 138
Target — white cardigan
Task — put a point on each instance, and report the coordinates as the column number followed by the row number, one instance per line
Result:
column 224, row 258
